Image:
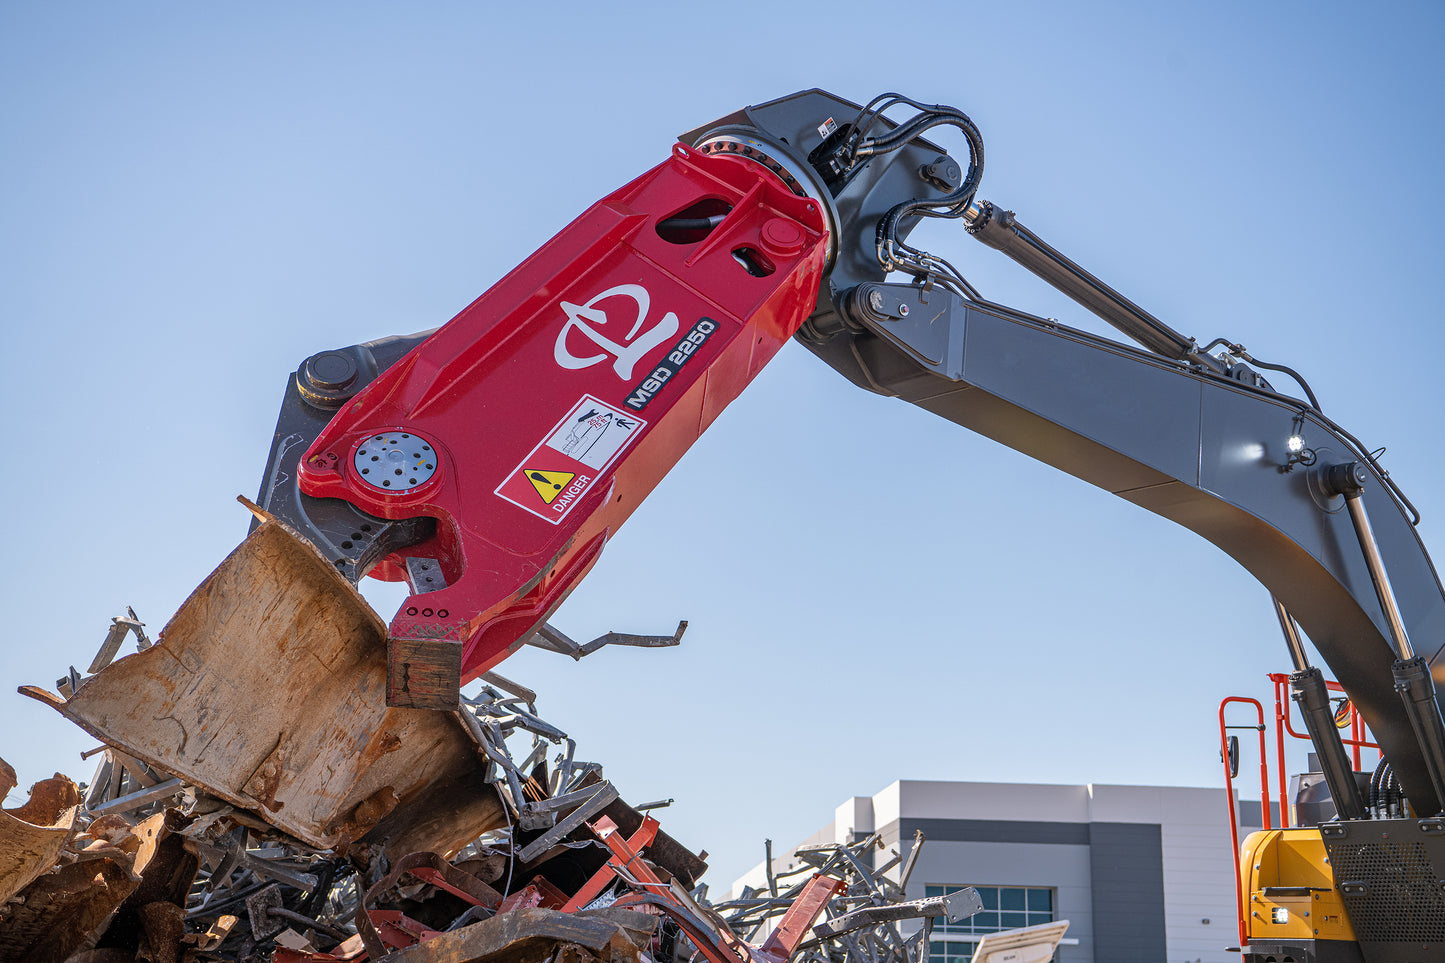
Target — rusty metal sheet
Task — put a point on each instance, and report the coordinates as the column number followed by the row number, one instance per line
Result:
column 534, row 935
column 267, row 689
column 67, row 910
column 32, row 835
column 64, row 912
column 152, row 917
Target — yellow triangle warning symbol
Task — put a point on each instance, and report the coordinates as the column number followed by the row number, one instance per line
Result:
column 549, row 484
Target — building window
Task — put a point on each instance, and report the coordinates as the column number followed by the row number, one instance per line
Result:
column 1004, row 908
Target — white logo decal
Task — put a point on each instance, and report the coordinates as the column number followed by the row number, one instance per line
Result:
column 583, row 317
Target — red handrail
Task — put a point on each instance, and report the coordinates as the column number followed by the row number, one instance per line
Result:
column 1357, row 725
column 1282, row 725
column 1229, row 791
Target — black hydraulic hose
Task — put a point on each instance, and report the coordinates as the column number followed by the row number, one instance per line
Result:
column 951, row 205
column 1238, row 351
column 875, row 109
column 1390, row 791
column 1293, row 374
column 929, row 115
column 691, row 223
column 908, row 132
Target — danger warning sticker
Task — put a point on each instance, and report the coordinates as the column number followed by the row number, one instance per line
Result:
column 558, row 472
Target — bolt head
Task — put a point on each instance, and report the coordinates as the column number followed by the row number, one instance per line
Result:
column 330, row 370
column 782, row 237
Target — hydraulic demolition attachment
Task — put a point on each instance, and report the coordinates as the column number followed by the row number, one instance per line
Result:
column 487, row 463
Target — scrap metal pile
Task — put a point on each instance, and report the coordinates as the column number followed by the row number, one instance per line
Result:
column 255, row 799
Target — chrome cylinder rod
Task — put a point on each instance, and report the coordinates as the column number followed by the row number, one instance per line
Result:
column 1000, row 230
column 1291, row 636
column 1312, row 695
column 1378, row 575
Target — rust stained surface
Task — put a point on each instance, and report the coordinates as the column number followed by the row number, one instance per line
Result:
column 65, row 911
column 32, row 835
column 267, row 689
column 535, row 935
column 152, row 917
column 68, row 909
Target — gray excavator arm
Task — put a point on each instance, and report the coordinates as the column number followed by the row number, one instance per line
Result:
column 1199, row 438
column 1201, row 449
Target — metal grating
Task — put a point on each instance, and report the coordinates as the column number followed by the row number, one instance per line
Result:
column 1402, row 898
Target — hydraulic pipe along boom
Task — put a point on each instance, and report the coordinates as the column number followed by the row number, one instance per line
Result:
column 1000, row 230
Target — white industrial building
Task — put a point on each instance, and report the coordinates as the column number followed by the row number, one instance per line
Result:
column 1144, row 874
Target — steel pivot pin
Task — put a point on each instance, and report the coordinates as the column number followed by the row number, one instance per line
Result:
column 395, row 461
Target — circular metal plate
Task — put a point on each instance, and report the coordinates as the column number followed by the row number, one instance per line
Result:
column 397, row 461
column 1328, row 502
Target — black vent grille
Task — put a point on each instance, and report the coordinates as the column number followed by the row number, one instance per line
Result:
column 1401, row 896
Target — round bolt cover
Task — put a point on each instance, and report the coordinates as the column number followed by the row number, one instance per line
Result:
column 782, row 237
column 395, row 461
column 330, row 370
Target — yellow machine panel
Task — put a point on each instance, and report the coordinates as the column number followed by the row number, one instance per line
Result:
column 1289, row 888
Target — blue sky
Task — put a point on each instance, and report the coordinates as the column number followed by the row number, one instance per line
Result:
column 197, row 197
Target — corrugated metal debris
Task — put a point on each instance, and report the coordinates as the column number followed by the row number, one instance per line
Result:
column 574, row 876
column 861, row 923
column 255, row 800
